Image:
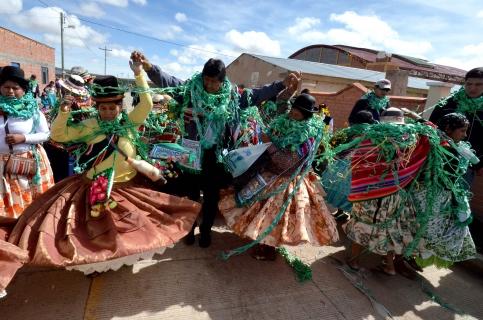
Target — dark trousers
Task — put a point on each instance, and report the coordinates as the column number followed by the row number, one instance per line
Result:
column 212, row 178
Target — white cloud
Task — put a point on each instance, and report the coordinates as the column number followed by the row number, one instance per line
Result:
column 46, row 21
column 191, row 59
column 120, row 53
column 196, row 54
column 10, row 6
column 358, row 30
column 116, row 3
column 474, row 49
column 181, row 71
column 302, row 25
column 180, row 17
column 91, row 9
column 253, row 42
column 175, row 28
column 168, row 32
column 480, row 14
column 140, row 2
column 469, row 57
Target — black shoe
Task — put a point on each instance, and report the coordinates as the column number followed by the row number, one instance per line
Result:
column 342, row 216
column 205, row 240
column 189, row 240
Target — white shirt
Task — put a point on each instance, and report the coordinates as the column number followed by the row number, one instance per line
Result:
column 16, row 125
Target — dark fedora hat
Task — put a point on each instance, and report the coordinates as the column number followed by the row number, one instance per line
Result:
column 106, row 89
column 305, row 102
column 14, row 74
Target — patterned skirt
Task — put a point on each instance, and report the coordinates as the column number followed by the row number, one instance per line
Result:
column 57, row 229
column 11, row 259
column 305, row 220
column 382, row 225
column 18, row 192
column 445, row 241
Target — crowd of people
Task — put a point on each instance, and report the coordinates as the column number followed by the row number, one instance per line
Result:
column 265, row 158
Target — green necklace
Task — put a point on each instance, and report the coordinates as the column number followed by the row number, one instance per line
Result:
column 24, row 108
column 375, row 102
column 464, row 103
column 285, row 132
column 211, row 111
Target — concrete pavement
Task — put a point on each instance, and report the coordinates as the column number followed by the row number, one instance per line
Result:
column 191, row 283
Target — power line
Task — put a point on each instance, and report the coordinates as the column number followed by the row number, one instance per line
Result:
column 147, row 37
column 75, row 30
column 154, row 38
column 105, row 57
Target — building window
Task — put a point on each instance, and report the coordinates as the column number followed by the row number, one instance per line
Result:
column 329, row 56
column 313, row 54
column 45, row 75
column 15, row 64
column 344, row 59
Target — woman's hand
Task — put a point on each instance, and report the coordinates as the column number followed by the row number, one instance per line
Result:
column 14, row 138
column 66, row 104
column 136, row 67
column 137, row 56
column 292, row 80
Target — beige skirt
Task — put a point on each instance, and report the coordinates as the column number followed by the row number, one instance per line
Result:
column 57, row 229
column 306, row 219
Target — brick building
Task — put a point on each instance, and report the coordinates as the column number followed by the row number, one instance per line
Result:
column 371, row 59
column 32, row 56
column 255, row 70
column 340, row 103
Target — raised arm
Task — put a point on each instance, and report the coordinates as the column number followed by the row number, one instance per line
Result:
column 269, row 91
column 142, row 109
column 154, row 72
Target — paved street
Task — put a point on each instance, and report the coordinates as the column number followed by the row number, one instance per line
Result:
column 191, row 283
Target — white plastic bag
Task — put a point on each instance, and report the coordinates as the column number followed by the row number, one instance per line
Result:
column 238, row 161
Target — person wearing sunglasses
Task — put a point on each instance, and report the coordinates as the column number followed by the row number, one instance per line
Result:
column 375, row 101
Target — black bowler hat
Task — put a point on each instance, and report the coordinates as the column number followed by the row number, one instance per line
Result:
column 14, row 74
column 106, row 89
column 305, row 102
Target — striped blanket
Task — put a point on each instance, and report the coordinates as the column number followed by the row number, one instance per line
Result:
column 373, row 177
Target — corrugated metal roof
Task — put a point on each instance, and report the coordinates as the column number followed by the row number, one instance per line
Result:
column 403, row 61
column 336, row 71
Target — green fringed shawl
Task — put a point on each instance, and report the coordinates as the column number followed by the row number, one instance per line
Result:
column 375, row 102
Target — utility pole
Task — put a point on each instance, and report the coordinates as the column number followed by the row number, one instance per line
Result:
column 62, row 22
column 62, row 41
column 105, row 57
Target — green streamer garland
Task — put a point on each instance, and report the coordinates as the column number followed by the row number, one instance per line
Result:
column 303, row 272
column 22, row 108
column 375, row 102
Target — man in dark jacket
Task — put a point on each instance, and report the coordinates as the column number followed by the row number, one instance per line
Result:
column 468, row 100
column 213, row 176
column 374, row 101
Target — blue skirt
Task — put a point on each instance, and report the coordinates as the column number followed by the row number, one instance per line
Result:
column 336, row 181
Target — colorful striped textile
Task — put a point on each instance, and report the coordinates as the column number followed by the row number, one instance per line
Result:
column 373, row 177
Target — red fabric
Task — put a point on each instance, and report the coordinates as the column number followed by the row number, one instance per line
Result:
column 373, row 177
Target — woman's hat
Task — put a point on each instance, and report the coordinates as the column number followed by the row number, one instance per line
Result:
column 161, row 98
column 75, row 84
column 392, row 115
column 14, row 74
column 306, row 102
column 106, row 89
column 81, row 71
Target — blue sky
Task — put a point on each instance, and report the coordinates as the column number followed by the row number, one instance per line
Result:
column 441, row 32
